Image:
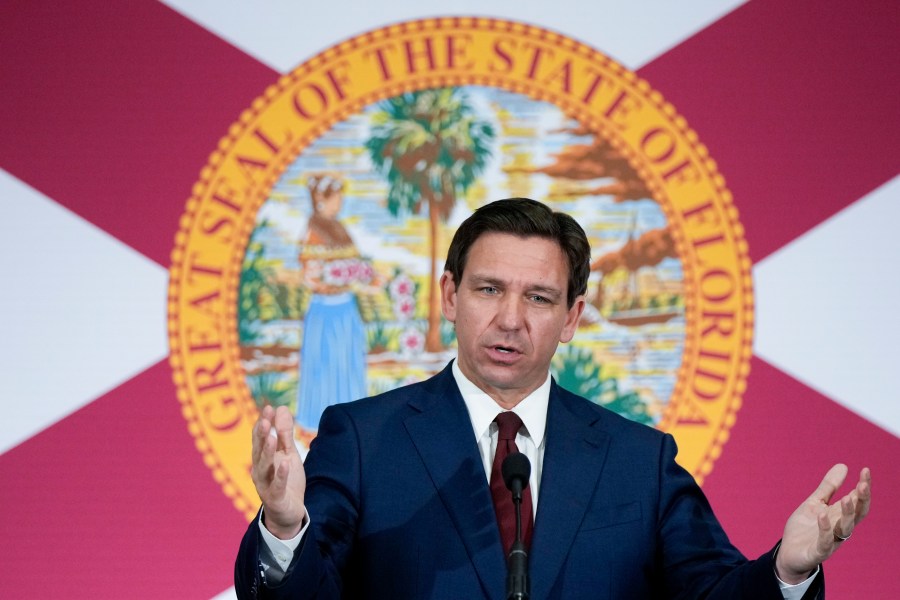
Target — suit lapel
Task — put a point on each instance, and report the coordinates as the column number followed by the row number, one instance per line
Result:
column 573, row 460
column 442, row 433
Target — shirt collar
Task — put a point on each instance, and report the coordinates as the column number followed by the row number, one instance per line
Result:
column 483, row 409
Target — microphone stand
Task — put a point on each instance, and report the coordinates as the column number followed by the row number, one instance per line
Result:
column 518, row 586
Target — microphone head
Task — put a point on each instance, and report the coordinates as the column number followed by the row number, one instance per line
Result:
column 516, row 470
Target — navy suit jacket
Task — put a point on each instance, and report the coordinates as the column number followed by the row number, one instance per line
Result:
column 401, row 508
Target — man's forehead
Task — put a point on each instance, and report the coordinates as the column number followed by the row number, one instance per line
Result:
column 534, row 260
column 506, row 239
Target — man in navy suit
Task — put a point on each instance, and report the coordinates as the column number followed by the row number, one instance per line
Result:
column 394, row 500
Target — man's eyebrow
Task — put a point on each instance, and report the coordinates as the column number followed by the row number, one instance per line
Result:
column 486, row 280
column 546, row 291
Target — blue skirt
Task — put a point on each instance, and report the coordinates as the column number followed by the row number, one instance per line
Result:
column 332, row 357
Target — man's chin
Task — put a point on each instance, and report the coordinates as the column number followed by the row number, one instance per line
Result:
column 508, row 379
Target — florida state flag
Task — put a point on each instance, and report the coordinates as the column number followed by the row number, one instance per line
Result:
column 209, row 207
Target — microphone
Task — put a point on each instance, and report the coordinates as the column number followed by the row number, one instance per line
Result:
column 516, row 469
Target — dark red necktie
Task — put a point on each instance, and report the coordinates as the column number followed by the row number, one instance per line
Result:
column 509, row 423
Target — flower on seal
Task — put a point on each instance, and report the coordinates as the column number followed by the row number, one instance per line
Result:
column 411, row 341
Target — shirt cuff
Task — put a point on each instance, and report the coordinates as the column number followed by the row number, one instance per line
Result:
column 282, row 550
column 791, row 592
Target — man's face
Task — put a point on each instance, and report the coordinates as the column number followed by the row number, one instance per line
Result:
column 510, row 313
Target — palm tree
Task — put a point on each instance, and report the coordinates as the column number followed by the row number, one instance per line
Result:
column 431, row 147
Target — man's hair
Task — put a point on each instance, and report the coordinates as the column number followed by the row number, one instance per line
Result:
column 525, row 217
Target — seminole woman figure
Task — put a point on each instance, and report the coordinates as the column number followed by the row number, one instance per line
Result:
column 333, row 348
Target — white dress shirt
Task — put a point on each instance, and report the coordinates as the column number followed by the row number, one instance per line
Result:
column 530, row 439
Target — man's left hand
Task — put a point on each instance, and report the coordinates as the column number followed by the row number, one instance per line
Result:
column 817, row 529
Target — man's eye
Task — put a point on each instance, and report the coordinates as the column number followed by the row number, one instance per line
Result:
column 489, row 289
column 539, row 299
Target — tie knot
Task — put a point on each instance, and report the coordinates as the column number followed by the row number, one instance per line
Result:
column 509, row 424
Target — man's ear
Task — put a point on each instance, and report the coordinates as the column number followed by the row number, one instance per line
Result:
column 572, row 317
column 448, row 296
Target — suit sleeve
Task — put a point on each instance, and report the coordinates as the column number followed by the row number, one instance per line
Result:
column 698, row 560
column 332, row 500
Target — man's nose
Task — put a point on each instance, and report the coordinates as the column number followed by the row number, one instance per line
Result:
column 511, row 313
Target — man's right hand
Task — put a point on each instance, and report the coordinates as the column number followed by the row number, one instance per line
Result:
column 278, row 472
